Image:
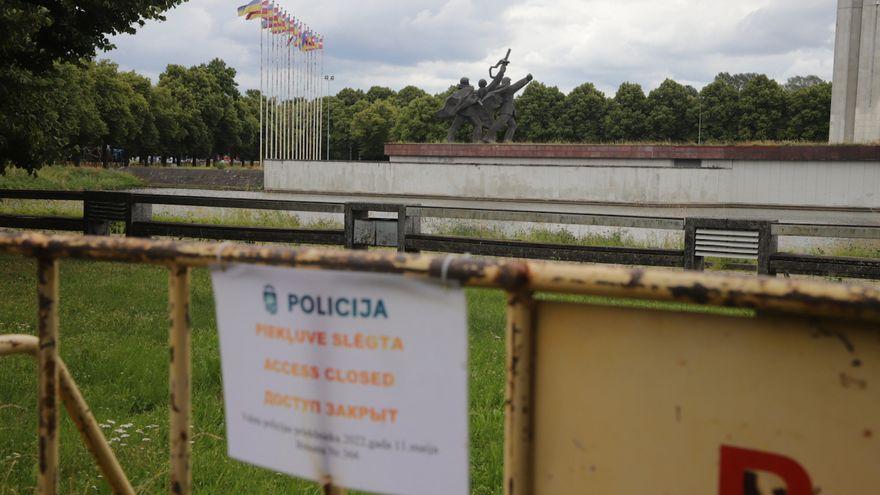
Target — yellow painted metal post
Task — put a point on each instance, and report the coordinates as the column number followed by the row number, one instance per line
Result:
column 179, row 379
column 518, row 394
column 47, row 359
column 92, row 435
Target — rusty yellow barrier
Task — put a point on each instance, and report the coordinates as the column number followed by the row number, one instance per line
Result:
column 544, row 442
column 79, row 412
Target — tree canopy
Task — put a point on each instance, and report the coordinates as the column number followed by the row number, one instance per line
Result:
column 35, row 38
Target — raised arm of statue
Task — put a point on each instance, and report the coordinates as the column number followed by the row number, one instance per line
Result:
column 521, row 83
column 497, row 79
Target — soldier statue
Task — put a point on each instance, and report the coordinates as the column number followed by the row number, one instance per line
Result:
column 463, row 105
column 478, row 106
column 507, row 115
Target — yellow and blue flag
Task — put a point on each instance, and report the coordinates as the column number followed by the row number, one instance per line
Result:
column 253, row 7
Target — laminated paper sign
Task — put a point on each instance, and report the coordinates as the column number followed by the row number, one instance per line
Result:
column 358, row 378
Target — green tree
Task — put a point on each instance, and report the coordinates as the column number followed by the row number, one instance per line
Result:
column 802, row 82
column 190, row 88
column 349, row 96
column 762, row 109
column 32, row 131
column 537, row 113
column 583, row 115
column 671, row 112
column 76, row 92
column 738, row 81
column 809, row 113
column 719, row 109
column 248, row 109
column 416, row 122
column 377, row 93
column 408, row 94
column 626, row 118
column 339, row 123
column 371, row 129
column 169, row 117
column 118, row 105
column 144, row 141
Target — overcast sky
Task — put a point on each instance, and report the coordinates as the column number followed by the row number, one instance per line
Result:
column 432, row 43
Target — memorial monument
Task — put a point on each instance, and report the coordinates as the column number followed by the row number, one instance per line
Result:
column 478, row 106
column 855, row 102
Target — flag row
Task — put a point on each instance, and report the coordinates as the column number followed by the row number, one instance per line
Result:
column 279, row 22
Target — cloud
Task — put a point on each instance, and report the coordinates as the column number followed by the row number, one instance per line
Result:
column 432, row 43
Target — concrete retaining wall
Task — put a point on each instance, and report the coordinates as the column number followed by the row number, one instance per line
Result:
column 851, row 184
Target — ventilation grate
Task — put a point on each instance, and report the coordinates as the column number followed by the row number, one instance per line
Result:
column 739, row 244
column 105, row 211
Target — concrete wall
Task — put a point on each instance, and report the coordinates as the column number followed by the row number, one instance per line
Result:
column 855, row 106
column 718, row 182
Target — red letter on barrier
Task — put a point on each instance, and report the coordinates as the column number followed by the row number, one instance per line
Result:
column 735, row 463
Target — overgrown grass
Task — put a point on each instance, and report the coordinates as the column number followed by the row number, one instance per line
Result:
column 67, row 178
column 250, row 218
column 560, row 235
column 37, row 207
column 114, row 333
column 863, row 249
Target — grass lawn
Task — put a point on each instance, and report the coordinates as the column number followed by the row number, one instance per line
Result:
column 65, row 178
column 114, row 335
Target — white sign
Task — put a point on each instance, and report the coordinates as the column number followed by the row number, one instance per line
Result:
column 358, row 378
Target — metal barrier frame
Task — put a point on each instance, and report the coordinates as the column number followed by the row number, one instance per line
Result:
column 520, row 279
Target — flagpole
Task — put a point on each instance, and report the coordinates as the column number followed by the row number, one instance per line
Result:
column 277, row 105
column 285, row 61
column 308, row 103
column 311, row 103
column 321, row 103
column 289, row 96
column 299, row 100
column 262, row 90
column 314, row 103
column 270, row 91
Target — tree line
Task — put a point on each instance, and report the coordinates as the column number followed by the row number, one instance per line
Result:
column 90, row 110
column 733, row 108
column 58, row 104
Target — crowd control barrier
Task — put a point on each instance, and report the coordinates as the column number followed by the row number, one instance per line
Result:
column 599, row 398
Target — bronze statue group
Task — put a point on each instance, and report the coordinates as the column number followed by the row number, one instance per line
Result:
column 491, row 106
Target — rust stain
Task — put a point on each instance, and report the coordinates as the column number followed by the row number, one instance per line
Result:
column 847, row 381
column 868, row 433
column 42, row 455
column 636, row 276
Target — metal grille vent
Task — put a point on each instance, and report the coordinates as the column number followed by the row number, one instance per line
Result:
column 105, row 211
column 740, row 244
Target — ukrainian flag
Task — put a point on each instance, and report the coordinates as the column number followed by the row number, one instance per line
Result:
column 251, row 8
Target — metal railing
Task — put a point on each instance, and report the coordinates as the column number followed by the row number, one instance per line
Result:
column 363, row 228
column 520, row 279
